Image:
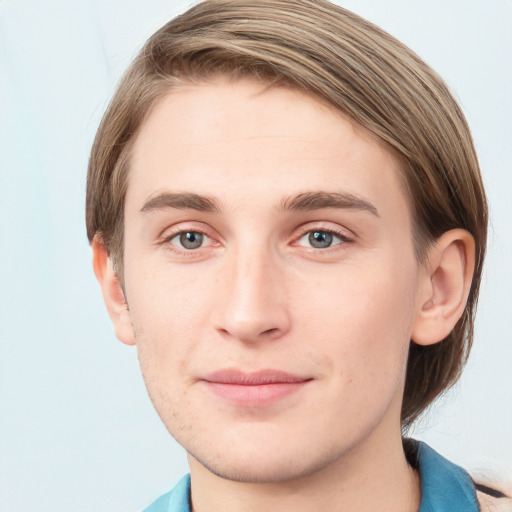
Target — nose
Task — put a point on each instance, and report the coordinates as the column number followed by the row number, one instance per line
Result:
column 252, row 304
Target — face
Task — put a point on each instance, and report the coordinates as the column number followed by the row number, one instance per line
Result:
column 270, row 278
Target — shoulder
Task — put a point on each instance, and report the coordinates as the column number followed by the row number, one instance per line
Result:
column 491, row 504
column 494, row 498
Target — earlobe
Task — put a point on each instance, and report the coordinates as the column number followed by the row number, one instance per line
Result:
column 444, row 288
column 112, row 292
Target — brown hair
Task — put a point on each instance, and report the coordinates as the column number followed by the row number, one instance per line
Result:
column 356, row 67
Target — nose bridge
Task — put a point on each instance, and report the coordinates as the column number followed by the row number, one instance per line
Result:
column 254, row 302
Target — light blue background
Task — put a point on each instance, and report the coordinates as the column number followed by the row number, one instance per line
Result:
column 77, row 431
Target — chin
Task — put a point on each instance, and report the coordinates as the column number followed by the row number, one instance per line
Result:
column 267, row 465
column 257, row 472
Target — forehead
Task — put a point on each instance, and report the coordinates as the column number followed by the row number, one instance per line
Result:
column 228, row 137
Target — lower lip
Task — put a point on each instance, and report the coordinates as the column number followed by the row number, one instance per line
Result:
column 255, row 395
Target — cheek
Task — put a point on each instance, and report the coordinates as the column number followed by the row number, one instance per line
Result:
column 366, row 315
column 167, row 316
column 163, row 295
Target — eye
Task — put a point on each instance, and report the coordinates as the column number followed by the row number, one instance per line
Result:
column 189, row 240
column 320, row 239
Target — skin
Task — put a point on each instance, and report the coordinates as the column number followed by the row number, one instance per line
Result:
column 255, row 294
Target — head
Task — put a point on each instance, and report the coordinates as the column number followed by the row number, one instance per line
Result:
column 352, row 69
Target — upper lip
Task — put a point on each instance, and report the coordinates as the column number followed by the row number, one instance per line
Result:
column 256, row 378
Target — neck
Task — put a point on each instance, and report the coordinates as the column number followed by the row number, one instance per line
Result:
column 374, row 476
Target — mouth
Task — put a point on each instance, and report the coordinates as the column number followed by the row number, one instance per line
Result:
column 255, row 389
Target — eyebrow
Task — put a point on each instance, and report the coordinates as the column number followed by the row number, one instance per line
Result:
column 181, row 200
column 307, row 201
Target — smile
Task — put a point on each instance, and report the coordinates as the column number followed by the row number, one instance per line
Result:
column 258, row 389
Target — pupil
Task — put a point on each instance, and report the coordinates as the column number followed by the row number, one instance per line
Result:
column 191, row 240
column 320, row 239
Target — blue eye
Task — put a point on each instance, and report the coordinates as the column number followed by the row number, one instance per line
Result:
column 188, row 239
column 320, row 239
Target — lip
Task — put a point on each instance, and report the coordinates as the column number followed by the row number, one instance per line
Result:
column 254, row 389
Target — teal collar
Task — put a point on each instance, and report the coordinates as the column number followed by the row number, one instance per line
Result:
column 444, row 485
column 175, row 501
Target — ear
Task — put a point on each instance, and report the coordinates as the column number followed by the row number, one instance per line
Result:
column 112, row 292
column 445, row 282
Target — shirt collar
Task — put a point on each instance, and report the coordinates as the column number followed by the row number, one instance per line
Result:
column 444, row 485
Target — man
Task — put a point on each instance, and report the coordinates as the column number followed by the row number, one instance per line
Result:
column 288, row 221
